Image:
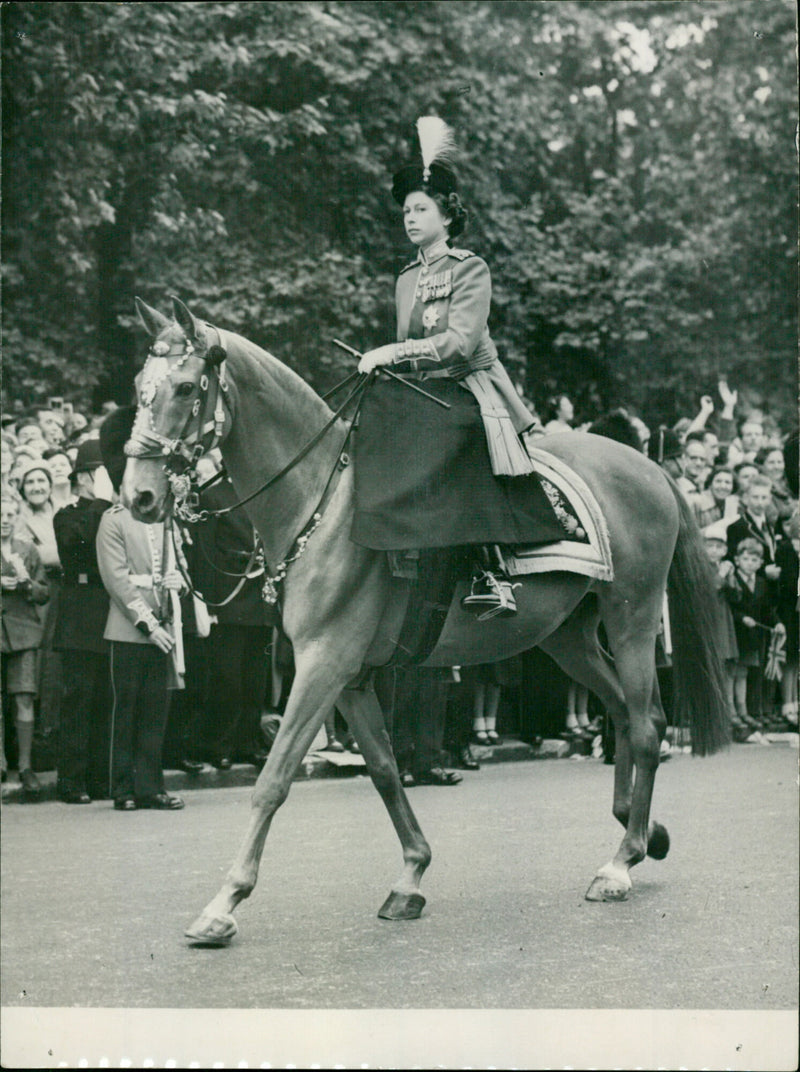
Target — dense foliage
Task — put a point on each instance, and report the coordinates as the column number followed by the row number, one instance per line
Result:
column 630, row 166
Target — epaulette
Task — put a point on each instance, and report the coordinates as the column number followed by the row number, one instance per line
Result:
column 413, row 264
column 461, row 254
column 115, row 509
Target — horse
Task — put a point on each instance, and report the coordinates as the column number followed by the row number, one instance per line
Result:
column 202, row 386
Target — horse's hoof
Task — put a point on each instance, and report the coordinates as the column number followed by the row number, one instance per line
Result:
column 609, row 884
column 602, row 889
column 212, row 930
column 658, row 842
column 402, row 906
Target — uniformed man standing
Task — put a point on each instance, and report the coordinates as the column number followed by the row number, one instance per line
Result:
column 83, row 751
column 137, row 564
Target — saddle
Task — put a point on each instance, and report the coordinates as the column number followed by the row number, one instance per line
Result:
column 425, row 581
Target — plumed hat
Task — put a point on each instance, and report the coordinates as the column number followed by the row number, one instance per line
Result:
column 115, row 431
column 433, row 173
column 88, row 456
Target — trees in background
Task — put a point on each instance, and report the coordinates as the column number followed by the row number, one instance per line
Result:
column 630, row 167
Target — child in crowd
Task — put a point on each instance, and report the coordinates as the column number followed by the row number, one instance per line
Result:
column 24, row 585
column 716, row 543
column 754, row 616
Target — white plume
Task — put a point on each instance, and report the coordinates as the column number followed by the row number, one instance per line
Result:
column 436, row 140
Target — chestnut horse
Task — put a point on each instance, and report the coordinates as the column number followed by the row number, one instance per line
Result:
column 202, row 385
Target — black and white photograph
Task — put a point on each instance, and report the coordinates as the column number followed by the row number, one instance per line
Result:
column 400, row 396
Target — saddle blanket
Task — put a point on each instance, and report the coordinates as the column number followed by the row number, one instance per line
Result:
column 587, row 552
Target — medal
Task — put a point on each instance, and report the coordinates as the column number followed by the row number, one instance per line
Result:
column 430, row 317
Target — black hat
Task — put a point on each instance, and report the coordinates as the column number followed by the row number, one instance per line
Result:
column 115, row 431
column 88, row 456
column 665, row 444
column 434, row 173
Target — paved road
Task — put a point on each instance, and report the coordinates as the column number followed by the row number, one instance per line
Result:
column 95, row 902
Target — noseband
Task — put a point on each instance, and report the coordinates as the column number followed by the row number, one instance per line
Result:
column 202, row 430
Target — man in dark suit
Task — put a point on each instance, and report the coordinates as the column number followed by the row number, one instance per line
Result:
column 81, row 617
column 239, row 640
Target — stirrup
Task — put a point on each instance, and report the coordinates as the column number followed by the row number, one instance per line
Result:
column 491, row 596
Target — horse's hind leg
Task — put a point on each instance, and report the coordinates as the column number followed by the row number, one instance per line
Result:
column 576, row 649
column 363, row 713
column 632, row 638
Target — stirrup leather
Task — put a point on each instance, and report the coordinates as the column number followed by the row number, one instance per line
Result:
column 491, row 595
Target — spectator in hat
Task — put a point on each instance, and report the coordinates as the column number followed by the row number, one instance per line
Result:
column 35, row 524
column 666, row 451
column 24, row 586
column 83, row 772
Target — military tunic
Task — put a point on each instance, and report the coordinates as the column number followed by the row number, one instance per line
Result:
column 426, row 476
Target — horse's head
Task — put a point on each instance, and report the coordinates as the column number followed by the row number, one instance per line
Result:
column 181, row 412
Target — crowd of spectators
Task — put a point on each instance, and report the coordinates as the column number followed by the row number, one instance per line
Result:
column 737, row 471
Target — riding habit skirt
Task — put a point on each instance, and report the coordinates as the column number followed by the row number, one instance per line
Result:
column 423, row 476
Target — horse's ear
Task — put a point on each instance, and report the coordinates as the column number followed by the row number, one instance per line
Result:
column 154, row 322
column 190, row 326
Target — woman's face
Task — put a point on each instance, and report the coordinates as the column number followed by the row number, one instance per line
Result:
column 566, row 410
column 35, row 488
column 722, row 485
column 774, row 465
column 60, row 468
column 423, row 220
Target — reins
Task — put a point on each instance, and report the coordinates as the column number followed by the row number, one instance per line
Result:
column 148, row 443
column 270, row 585
column 309, row 446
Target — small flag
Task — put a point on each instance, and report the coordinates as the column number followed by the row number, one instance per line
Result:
column 776, row 655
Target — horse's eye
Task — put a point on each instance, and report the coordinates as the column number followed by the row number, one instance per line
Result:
column 183, row 390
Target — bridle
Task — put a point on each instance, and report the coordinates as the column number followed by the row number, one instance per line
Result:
column 202, row 431
column 204, row 425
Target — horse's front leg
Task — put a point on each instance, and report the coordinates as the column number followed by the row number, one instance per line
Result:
column 363, row 713
column 315, row 688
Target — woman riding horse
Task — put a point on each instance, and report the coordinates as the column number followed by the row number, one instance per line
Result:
column 424, row 475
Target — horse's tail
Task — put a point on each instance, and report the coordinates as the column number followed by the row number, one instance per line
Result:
column 695, row 623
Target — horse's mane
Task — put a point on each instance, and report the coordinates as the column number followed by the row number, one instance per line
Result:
column 256, row 369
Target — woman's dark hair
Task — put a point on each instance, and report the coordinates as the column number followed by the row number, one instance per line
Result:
column 764, row 453
column 552, row 406
column 617, row 425
column 450, row 205
column 716, row 471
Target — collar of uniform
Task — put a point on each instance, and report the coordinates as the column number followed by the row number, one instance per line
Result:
column 434, row 253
